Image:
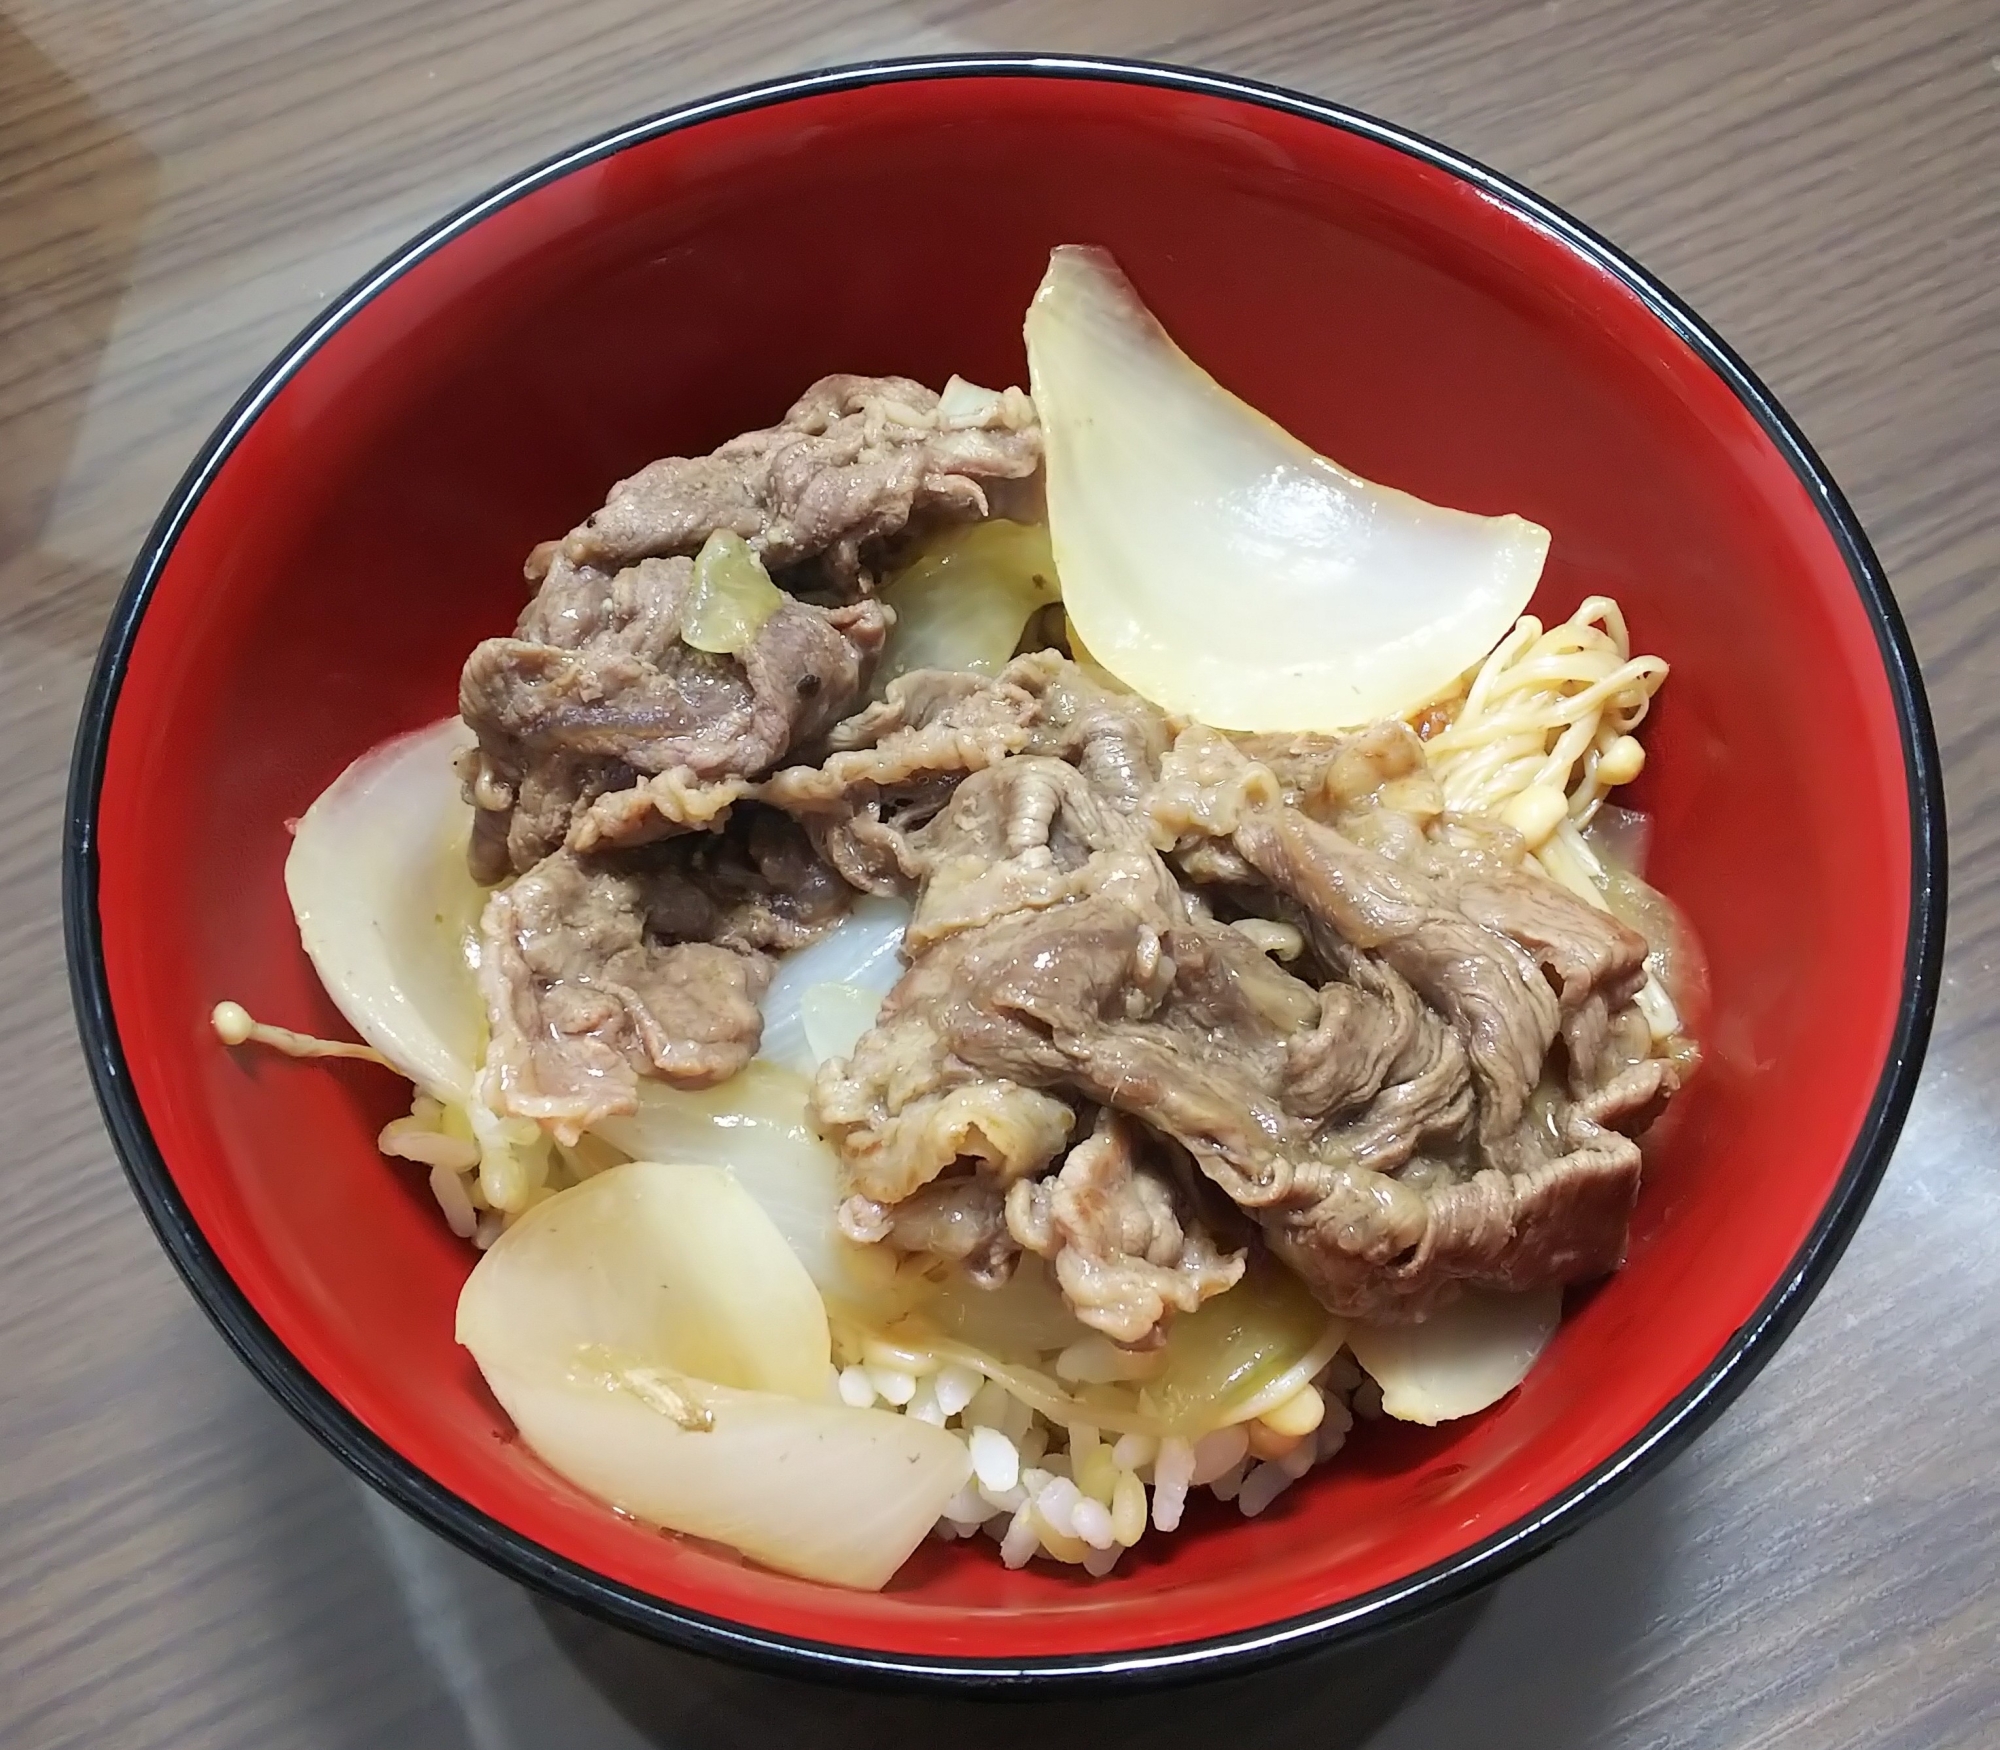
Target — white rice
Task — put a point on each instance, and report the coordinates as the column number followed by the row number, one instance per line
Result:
column 1077, row 1495
column 1026, row 1489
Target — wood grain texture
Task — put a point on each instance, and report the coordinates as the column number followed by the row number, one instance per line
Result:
column 183, row 182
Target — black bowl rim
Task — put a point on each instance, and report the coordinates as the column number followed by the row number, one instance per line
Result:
column 1237, row 1651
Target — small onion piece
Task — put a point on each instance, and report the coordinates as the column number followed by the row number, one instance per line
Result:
column 754, row 1126
column 601, row 1321
column 964, row 601
column 387, row 912
column 835, row 1016
column 1020, row 1320
column 1221, row 568
column 731, row 597
column 862, row 952
column 1463, row 1358
column 1244, row 1352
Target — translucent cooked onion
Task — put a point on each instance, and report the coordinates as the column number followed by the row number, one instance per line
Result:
column 1024, row 1318
column 818, row 1490
column 1240, row 1354
column 835, row 1016
column 1221, row 568
column 387, row 912
column 1245, row 1351
column 1620, row 836
column 754, row 1125
column 965, row 600
column 674, row 1267
column 655, row 1341
column 731, row 598
column 1464, row 1357
column 861, row 951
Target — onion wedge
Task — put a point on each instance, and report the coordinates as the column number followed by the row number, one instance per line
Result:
column 1218, row 566
column 1464, row 1357
column 387, row 911
column 754, row 1126
column 655, row 1341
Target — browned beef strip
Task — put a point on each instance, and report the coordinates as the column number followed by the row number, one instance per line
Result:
column 890, row 767
column 584, row 994
column 1559, row 1220
column 1332, row 777
column 1116, row 739
column 1394, row 1131
column 959, row 1220
column 853, row 462
column 1059, row 998
column 1076, row 997
column 595, row 694
column 1026, row 834
column 562, row 724
column 1481, row 981
column 1124, row 1245
column 756, row 884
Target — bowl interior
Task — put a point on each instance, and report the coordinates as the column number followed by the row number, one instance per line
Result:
column 370, row 526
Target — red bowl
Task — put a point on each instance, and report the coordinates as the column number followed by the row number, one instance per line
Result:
column 360, row 520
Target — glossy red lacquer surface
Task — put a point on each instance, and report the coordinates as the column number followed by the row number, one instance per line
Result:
column 371, row 525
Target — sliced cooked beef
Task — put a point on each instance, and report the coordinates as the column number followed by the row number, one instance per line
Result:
column 1559, row 1220
column 898, row 1132
column 960, row 1220
column 1374, row 1034
column 893, row 765
column 1478, row 979
column 1023, row 835
column 597, row 700
column 1393, row 1130
column 583, row 995
column 1114, row 1226
column 560, row 724
column 1332, row 776
column 1583, row 951
column 663, row 806
column 1080, row 997
column 1115, row 739
column 1439, row 1086
column 853, row 462
column 755, row 885
column 1506, row 957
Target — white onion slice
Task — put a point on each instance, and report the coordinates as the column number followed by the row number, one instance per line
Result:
column 1221, row 568
column 674, row 1266
column 835, row 1016
column 1462, row 1358
column 862, row 950
column 387, row 911
column 819, row 1490
column 655, row 1341
column 755, row 1125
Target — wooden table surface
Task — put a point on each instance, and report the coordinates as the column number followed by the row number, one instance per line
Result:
column 184, row 182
